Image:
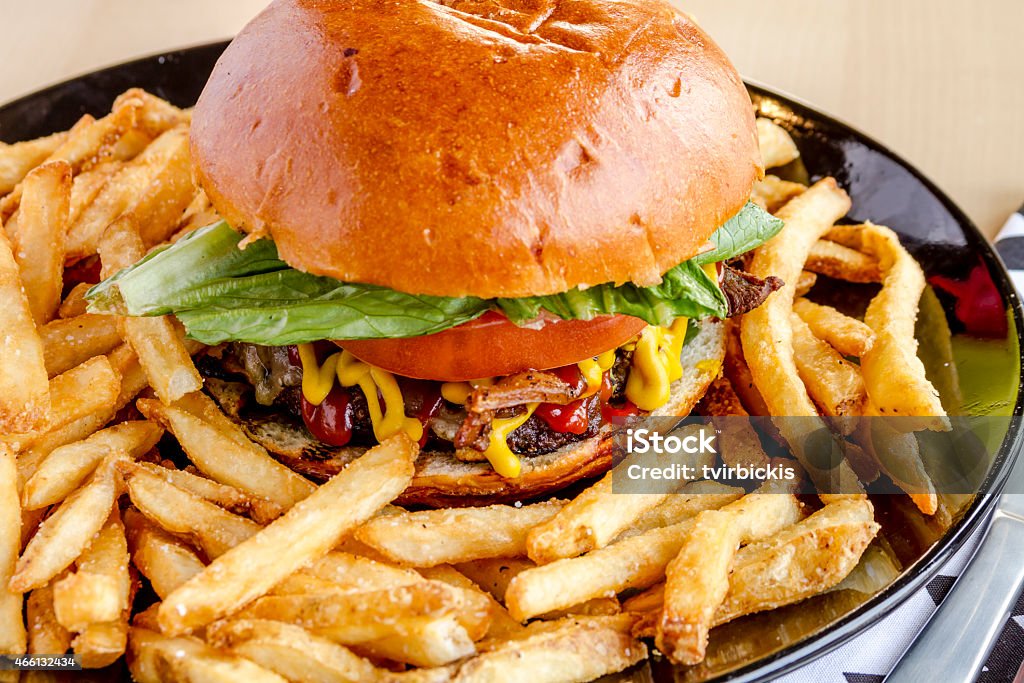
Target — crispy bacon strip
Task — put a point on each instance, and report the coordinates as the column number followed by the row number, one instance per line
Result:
column 531, row 386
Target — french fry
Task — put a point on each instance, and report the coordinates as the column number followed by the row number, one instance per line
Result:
column 155, row 115
column 803, row 560
column 736, row 370
column 68, row 531
column 89, row 143
column 899, row 456
column 42, row 228
column 426, row 643
column 846, row 335
column 687, row 502
column 74, row 303
column 894, row 375
column 721, row 399
column 234, row 500
column 85, row 186
column 198, row 214
column 85, row 395
column 68, row 342
column 189, row 660
column 350, row 573
column 739, row 443
column 502, row 625
column 41, row 446
column 697, row 579
column 574, row 651
column 13, row 637
column 777, row 147
column 45, row 634
column 159, row 556
column 767, row 334
column 220, row 449
column 304, row 533
column 808, row 558
column 291, row 651
column 67, row 466
column 100, row 645
column 772, row 193
column 840, row 262
column 591, row 520
column 88, row 388
column 158, row 344
column 126, row 363
column 634, row 562
column 98, row 590
column 433, row 537
column 834, row 383
column 805, row 282
column 141, row 186
column 208, row 526
column 18, row 159
column 495, row 574
column 24, row 392
column 594, row 607
column 143, row 645
column 475, row 615
column 356, row 618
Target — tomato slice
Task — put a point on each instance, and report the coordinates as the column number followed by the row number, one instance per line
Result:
column 492, row 345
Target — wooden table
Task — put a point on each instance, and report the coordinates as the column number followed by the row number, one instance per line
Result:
column 939, row 81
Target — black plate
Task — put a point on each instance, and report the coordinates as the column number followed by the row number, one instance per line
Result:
column 884, row 189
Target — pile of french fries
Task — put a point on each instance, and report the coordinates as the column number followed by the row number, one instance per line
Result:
column 235, row 568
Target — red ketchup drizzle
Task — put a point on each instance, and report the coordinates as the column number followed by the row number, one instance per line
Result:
column 331, row 421
column 573, row 417
column 610, row 411
column 422, row 401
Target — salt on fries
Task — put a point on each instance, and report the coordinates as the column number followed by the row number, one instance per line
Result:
column 263, row 576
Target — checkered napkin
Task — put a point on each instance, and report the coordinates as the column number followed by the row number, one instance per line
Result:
column 871, row 655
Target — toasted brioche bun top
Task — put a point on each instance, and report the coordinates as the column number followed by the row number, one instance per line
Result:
column 477, row 147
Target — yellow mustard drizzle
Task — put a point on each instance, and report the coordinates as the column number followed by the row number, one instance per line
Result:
column 502, row 459
column 458, row 392
column 317, row 381
column 593, row 370
column 656, row 365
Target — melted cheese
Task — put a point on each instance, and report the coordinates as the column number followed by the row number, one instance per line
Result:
column 317, row 381
column 502, row 459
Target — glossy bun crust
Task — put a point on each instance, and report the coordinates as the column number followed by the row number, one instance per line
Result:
column 477, row 147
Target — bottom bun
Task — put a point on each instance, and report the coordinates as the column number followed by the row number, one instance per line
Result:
column 443, row 480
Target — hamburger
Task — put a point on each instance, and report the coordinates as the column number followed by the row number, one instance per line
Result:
column 494, row 225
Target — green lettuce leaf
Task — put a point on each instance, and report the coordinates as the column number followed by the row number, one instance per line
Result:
column 748, row 229
column 222, row 293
